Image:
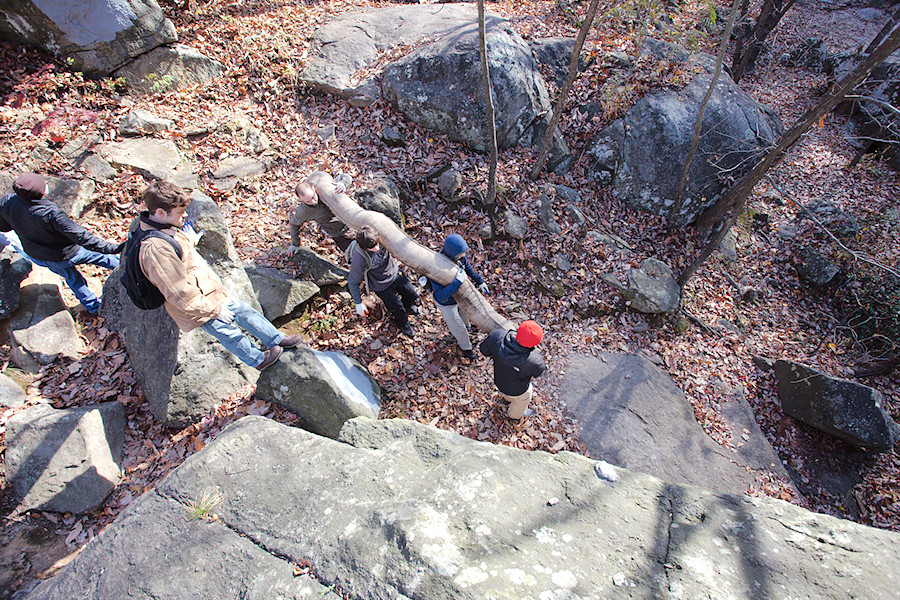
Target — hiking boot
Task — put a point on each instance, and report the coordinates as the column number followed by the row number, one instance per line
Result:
column 291, row 341
column 407, row 330
column 270, row 356
column 413, row 310
column 470, row 354
column 528, row 412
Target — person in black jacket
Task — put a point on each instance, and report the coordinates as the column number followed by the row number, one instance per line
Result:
column 47, row 237
column 516, row 362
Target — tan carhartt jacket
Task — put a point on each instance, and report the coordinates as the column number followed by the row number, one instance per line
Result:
column 194, row 293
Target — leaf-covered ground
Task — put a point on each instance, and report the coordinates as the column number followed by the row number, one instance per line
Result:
column 42, row 113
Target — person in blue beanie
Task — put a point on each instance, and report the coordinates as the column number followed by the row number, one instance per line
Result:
column 455, row 248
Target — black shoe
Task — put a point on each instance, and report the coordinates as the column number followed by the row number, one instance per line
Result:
column 413, row 310
column 271, row 355
column 470, row 354
column 407, row 330
column 291, row 341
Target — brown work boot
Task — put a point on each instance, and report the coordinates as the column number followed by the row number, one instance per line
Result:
column 270, row 356
column 291, row 341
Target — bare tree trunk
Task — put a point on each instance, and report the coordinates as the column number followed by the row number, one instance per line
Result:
column 489, row 107
column 541, row 160
column 884, row 31
column 743, row 29
column 698, row 126
column 771, row 14
column 742, row 188
column 420, row 259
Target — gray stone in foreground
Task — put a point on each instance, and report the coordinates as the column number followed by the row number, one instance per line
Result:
column 815, row 269
column 71, row 195
column 651, row 288
column 324, row 389
column 156, row 159
column 13, row 270
column 169, row 68
column 65, row 460
column 845, row 409
column 41, row 329
column 212, row 561
column 317, row 269
column 631, row 414
column 11, row 393
column 143, row 122
column 277, row 293
column 401, row 510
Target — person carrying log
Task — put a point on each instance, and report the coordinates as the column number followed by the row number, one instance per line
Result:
column 516, row 362
column 310, row 209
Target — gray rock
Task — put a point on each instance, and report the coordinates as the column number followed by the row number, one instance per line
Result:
column 397, row 509
column 651, row 288
column 383, row 198
column 169, row 68
column 156, row 159
column 393, row 137
column 354, row 40
column 41, row 329
column 563, row 263
column 239, row 167
column 516, row 227
column 439, row 86
column 870, row 14
column 97, row 36
column 143, row 122
column 575, row 215
column 11, row 393
column 184, row 376
column 811, row 54
column 845, row 409
column 13, row 270
column 64, row 460
column 636, row 153
column 764, row 364
column 610, row 241
column 257, row 141
column 326, row 133
column 836, row 219
column 71, row 195
column 277, row 293
column 814, row 268
column 556, row 54
column 366, row 94
column 787, row 232
column 317, row 269
column 325, row 389
column 449, row 183
column 95, row 166
column 632, row 414
column 545, row 214
column 728, row 246
column 567, row 194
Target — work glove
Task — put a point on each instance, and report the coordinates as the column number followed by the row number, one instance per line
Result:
column 461, row 276
column 225, row 315
column 193, row 236
column 361, row 309
column 292, row 250
column 342, row 182
column 483, row 288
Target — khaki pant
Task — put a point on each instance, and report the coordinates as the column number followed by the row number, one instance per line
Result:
column 518, row 404
column 458, row 323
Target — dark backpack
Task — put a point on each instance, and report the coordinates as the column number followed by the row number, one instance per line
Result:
column 142, row 292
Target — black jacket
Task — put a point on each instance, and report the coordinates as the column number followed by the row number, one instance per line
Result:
column 514, row 364
column 46, row 232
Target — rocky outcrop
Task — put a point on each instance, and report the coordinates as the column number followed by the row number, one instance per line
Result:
column 641, row 155
column 651, row 288
column 99, row 36
column 317, row 269
column 439, row 86
column 384, row 198
column 278, row 294
column 845, row 409
column 155, row 159
column 324, row 389
column 184, row 376
column 632, row 414
column 11, row 393
column 64, row 460
column 397, row 509
column 13, row 270
column 169, row 68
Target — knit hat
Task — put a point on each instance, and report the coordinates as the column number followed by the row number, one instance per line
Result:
column 529, row 334
column 454, row 245
column 29, row 186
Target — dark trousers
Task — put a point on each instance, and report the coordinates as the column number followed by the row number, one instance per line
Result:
column 398, row 298
column 342, row 242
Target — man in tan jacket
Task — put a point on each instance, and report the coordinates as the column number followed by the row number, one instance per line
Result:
column 194, row 294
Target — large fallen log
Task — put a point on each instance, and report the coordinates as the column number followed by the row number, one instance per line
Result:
column 416, row 257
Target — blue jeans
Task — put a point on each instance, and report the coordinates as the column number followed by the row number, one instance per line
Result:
column 235, row 340
column 66, row 269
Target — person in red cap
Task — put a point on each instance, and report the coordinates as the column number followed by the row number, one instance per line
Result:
column 516, row 362
column 47, row 237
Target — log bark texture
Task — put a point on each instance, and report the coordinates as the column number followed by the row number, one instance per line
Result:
column 404, row 249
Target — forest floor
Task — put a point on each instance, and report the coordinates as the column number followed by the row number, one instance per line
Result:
column 426, row 379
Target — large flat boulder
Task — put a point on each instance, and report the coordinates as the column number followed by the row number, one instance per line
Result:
column 396, row 509
column 169, row 68
column 641, row 154
column 632, row 414
column 64, row 460
column 184, row 376
column 99, row 36
column 278, row 294
column 153, row 158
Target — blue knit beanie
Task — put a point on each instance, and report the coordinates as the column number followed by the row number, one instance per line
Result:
column 454, row 245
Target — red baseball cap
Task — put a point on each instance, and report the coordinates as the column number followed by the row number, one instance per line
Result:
column 529, row 334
